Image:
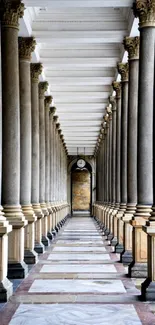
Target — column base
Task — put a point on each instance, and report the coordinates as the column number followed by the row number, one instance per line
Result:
column 138, row 270
column 126, row 257
column 114, row 241
column 50, row 235
column 39, row 248
column 107, row 232
column 110, row 237
column 30, row 256
column 54, row 232
column 119, row 248
column 45, row 241
column 17, row 270
column 148, row 290
column 6, row 290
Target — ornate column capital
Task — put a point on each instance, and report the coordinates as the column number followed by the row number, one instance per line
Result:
column 36, row 70
column 58, row 126
column 10, row 12
column 117, row 87
column 123, row 69
column 131, row 45
column 145, row 11
column 48, row 101
column 112, row 101
column 52, row 111
column 55, row 118
column 26, row 47
column 43, row 86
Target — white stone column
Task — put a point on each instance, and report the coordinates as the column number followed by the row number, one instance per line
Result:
column 123, row 69
column 131, row 45
column 10, row 14
column 43, row 86
column 146, row 13
column 117, row 88
column 6, row 288
column 48, row 101
column 26, row 47
column 36, row 69
column 52, row 166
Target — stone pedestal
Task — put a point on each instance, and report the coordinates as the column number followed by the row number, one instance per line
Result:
column 6, row 288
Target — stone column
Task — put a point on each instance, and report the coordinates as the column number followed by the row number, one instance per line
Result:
column 105, row 174
column 52, row 164
column 146, row 13
column 131, row 45
column 112, row 101
column 36, row 69
column 48, row 101
column 6, row 288
column 117, row 88
column 10, row 14
column 26, row 46
column 123, row 69
column 43, row 86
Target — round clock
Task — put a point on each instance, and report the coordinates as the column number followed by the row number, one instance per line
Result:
column 81, row 163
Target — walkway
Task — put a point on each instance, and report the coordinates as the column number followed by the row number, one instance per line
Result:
column 77, row 281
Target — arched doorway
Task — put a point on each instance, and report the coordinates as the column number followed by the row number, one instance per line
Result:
column 81, row 189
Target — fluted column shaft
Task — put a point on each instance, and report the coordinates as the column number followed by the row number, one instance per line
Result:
column 36, row 70
column 131, row 44
column 26, row 46
column 10, row 14
column 117, row 88
column 144, row 258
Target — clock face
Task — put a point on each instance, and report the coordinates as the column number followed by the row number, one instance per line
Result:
column 81, row 163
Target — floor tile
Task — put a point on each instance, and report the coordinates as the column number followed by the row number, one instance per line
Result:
column 68, row 314
column 79, row 249
column 78, row 257
column 99, row 268
column 78, row 286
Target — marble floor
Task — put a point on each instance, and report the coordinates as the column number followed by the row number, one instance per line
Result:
column 79, row 280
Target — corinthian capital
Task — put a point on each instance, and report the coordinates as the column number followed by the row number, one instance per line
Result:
column 112, row 101
column 10, row 12
column 145, row 11
column 52, row 110
column 26, row 47
column 36, row 70
column 43, row 86
column 48, row 101
column 117, row 87
column 131, row 45
column 123, row 69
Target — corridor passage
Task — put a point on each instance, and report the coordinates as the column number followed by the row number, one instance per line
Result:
column 77, row 281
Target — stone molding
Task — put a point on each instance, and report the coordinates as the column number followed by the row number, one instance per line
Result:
column 43, row 86
column 57, row 126
column 131, row 45
column 145, row 11
column 117, row 87
column 123, row 69
column 10, row 12
column 36, row 70
column 26, row 47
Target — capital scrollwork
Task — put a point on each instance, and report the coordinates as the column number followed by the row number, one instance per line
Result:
column 43, row 86
column 48, row 101
column 36, row 70
column 131, row 45
column 123, row 69
column 10, row 12
column 112, row 101
column 117, row 87
column 145, row 11
column 26, row 47
column 52, row 110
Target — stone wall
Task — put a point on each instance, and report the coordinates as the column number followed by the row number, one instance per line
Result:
column 81, row 190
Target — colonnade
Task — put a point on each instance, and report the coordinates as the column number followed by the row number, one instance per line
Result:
column 33, row 155
column 125, row 156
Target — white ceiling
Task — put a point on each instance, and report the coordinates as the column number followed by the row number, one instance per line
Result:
column 79, row 43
